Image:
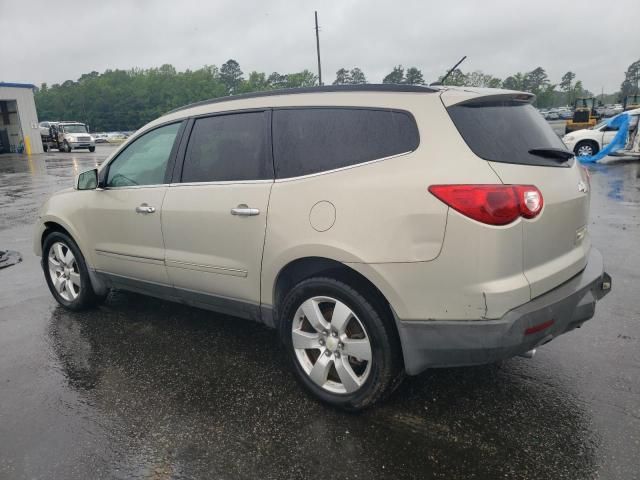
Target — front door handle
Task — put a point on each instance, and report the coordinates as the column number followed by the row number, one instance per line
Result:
column 144, row 208
column 244, row 211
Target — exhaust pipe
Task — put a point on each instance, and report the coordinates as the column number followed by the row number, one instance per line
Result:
column 528, row 354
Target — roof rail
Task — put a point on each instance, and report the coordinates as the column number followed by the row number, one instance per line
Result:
column 367, row 87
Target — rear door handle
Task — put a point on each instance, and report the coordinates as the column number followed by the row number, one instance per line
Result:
column 144, row 208
column 244, row 211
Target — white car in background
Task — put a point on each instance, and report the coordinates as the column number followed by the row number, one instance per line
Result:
column 591, row 140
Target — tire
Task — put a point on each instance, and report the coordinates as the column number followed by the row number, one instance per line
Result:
column 45, row 147
column 74, row 290
column 66, row 147
column 341, row 380
column 92, row 149
column 586, row 148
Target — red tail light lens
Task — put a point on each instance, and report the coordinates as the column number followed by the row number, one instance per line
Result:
column 491, row 204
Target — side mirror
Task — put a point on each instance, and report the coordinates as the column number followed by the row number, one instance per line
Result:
column 87, row 180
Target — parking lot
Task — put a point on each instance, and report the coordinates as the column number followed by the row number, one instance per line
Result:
column 141, row 388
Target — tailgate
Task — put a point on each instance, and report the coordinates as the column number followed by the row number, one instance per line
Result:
column 505, row 130
column 556, row 243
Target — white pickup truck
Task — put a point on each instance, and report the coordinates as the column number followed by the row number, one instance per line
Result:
column 66, row 136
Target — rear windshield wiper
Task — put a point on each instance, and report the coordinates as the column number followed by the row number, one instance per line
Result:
column 550, row 152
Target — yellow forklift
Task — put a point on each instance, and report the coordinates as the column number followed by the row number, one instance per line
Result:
column 631, row 102
column 584, row 114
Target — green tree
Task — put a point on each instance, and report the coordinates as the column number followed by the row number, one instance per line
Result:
column 536, row 80
column 276, row 80
column 457, row 78
column 231, row 75
column 480, row 79
column 414, row 77
column 396, row 75
column 256, row 82
column 304, row 78
column 514, row 82
column 566, row 84
column 631, row 82
column 357, row 76
column 343, row 77
column 546, row 97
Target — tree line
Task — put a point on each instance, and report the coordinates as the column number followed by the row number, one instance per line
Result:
column 127, row 99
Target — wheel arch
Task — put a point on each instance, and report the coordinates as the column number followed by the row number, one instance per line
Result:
column 54, row 225
column 307, row 267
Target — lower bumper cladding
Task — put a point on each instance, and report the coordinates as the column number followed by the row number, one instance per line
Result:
column 450, row 343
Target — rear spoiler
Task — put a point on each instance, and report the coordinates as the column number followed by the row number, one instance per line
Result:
column 463, row 96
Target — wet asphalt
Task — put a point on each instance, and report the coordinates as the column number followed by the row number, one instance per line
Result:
column 141, row 388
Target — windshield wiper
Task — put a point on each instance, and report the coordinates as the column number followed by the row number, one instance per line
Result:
column 550, row 152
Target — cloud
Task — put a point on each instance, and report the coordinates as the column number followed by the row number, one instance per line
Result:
column 500, row 37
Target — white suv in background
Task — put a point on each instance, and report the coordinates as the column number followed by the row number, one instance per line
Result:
column 382, row 229
column 590, row 141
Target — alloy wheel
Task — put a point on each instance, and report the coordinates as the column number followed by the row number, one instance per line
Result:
column 64, row 271
column 585, row 150
column 331, row 345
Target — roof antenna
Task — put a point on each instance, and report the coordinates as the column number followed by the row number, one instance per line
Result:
column 441, row 82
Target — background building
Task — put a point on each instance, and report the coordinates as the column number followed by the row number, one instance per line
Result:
column 18, row 119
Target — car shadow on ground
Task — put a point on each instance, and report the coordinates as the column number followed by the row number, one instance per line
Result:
column 192, row 392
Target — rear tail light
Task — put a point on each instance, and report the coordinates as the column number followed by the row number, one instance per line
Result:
column 491, row 204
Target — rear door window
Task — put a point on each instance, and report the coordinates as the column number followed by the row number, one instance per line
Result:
column 506, row 131
column 231, row 147
column 312, row 140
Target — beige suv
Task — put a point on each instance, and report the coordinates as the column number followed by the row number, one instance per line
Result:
column 381, row 229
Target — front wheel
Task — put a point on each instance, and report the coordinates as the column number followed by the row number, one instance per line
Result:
column 585, row 149
column 66, row 273
column 92, row 149
column 343, row 348
column 66, row 147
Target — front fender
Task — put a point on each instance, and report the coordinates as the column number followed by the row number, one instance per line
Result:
column 44, row 222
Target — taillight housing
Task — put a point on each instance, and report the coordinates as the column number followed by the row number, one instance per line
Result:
column 491, row 204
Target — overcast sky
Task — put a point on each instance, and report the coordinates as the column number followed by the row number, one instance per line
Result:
column 595, row 39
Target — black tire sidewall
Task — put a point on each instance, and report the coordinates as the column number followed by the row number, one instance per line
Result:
column 384, row 368
column 594, row 147
column 86, row 297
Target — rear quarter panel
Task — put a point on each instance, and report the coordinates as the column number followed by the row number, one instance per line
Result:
column 384, row 213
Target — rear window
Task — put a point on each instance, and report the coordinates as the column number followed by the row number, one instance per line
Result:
column 312, row 140
column 505, row 131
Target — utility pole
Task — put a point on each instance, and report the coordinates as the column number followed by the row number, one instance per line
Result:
column 318, row 51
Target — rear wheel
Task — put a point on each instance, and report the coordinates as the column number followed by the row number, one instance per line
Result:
column 586, row 148
column 66, row 273
column 343, row 348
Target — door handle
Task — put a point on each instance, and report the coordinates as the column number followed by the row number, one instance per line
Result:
column 244, row 211
column 144, row 208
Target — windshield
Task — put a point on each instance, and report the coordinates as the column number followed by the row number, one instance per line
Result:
column 585, row 103
column 79, row 128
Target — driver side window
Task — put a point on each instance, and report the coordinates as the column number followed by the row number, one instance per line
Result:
column 144, row 162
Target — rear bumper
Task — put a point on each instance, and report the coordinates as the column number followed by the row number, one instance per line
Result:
column 434, row 343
